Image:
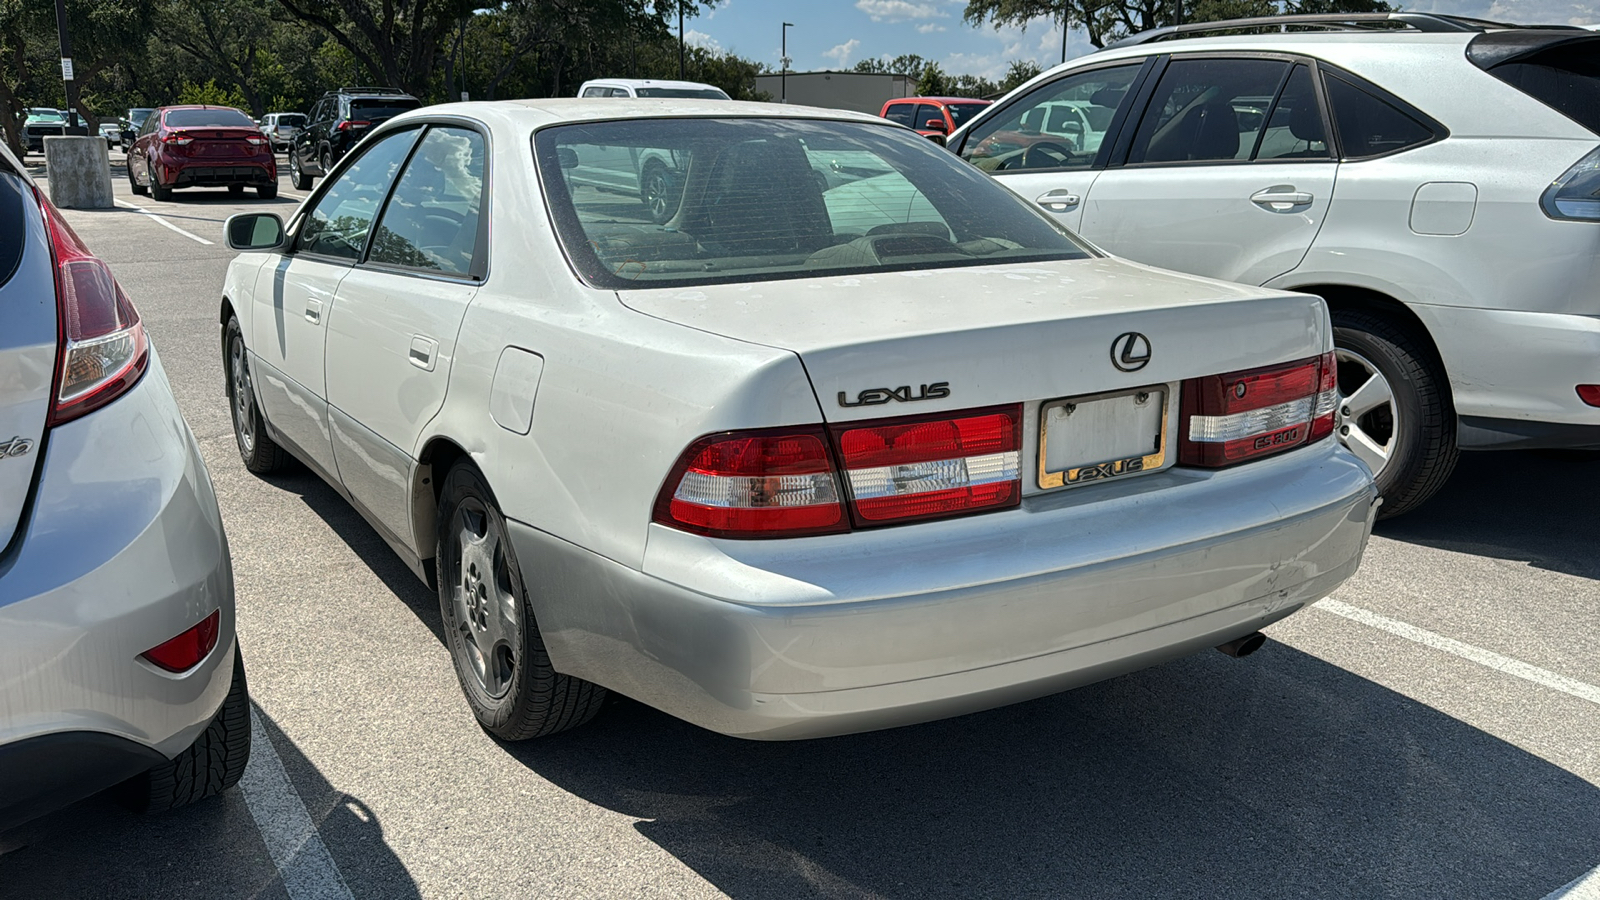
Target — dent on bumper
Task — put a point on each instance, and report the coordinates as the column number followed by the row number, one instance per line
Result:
column 819, row 636
column 123, row 550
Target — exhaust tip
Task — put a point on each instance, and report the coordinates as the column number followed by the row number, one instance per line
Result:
column 1244, row 646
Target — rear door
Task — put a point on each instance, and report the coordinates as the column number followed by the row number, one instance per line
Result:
column 1228, row 175
column 1053, row 170
column 27, row 343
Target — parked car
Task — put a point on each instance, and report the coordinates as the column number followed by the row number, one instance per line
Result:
column 112, row 132
column 118, row 661
column 777, row 476
column 40, row 122
column 336, row 123
column 1431, row 177
column 650, row 87
column 201, row 146
column 281, row 128
column 133, row 122
column 932, row 115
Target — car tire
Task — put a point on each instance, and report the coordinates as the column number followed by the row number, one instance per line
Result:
column 297, row 176
column 133, row 183
column 211, row 765
column 494, row 642
column 326, row 161
column 659, row 194
column 1408, row 436
column 267, row 191
column 158, row 191
column 260, row 453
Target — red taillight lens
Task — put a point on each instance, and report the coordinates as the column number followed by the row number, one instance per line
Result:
column 104, row 351
column 179, row 138
column 904, row 469
column 256, row 139
column 349, row 124
column 1246, row 415
column 774, row 483
column 185, row 651
column 1589, row 393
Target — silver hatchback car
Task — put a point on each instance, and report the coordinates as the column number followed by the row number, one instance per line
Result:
column 118, row 663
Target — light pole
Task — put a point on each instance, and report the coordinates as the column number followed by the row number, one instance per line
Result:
column 783, row 60
column 681, row 75
column 66, row 69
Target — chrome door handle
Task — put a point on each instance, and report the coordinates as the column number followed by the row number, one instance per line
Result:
column 1281, row 197
column 1058, row 200
column 314, row 311
column 422, row 349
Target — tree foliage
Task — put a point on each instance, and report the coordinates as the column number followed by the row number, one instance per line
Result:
column 1109, row 20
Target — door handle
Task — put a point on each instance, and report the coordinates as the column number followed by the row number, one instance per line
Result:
column 314, row 311
column 422, row 350
column 1058, row 200
column 1280, row 197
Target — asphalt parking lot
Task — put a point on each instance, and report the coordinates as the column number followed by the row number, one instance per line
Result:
column 1431, row 731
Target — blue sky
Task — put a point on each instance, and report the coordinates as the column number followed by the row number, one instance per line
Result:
column 835, row 34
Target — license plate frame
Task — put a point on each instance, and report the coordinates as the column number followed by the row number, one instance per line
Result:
column 1076, row 473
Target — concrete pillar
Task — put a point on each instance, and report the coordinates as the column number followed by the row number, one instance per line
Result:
column 79, row 171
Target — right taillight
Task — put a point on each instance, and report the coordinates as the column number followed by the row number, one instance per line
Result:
column 1575, row 195
column 104, row 351
column 1246, row 415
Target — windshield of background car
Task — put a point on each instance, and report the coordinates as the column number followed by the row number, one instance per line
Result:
column 221, row 117
column 294, row 121
column 365, row 109
column 681, row 202
column 136, row 117
column 681, row 93
column 961, row 112
column 47, row 115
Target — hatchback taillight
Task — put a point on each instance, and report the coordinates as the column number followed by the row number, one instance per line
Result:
column 931, row 466
column 1246, row 415
column 104, row 351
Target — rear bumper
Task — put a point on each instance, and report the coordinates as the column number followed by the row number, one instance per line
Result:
column 218, row 173
column 124, row 549
column 845, row 633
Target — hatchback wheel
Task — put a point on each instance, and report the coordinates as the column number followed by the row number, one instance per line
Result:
column 1394, row 409
column 261, row 454
column 211, row 765
column 499, row 655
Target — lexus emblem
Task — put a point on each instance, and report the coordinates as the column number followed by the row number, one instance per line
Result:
column 1130, row 352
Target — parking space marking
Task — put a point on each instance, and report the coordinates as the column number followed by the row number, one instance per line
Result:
column 1584, row 887
column 307, row 869
column 139, row 209
column 1488, row 658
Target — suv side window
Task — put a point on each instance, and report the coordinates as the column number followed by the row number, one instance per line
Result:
column 431, row 219
column 1207, row 110
column 1368, row 125
column 926, row 114
column 1295, row 129
column 901, row 113
column 1019, row 137
column 595, row 92
column 337, row 226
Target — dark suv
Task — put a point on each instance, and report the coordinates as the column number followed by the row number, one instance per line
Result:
column 336, row 123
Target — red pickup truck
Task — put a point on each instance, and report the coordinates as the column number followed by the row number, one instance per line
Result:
column 932, row 115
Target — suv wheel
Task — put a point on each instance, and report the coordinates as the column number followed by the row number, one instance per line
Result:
column 1394, row 409
column 297, row 176
column 326, row 162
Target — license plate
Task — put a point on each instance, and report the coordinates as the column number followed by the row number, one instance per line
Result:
column 1102, row 436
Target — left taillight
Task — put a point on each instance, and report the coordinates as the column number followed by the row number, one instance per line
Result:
column 104, row 351
column 754, row 484
column 1246, row 415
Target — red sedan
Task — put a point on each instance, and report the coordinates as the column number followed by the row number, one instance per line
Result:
column 201, row 146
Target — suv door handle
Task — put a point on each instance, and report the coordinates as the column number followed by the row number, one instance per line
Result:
column 1058, row 200
column 1281, row 197
column 422, row 349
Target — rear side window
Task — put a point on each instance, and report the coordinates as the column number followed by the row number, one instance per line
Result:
column 12, row 222
column 901, row 113
column 1564, row 78
column 222, row 117
column 1295, row 129
column 1369, row 125
column 927, row 115
column 431, row 221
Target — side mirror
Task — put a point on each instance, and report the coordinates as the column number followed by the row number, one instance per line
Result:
column 254, row 231
column 567, row 157
column 937, row 139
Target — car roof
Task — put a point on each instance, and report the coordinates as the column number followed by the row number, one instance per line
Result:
column 941, row 100
column 562, row 110
column 649, row 82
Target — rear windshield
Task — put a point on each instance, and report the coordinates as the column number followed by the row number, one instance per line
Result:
column 681, row 202
column 682, row 93
column 221, row 117
column 296, row 121
column 384, row 108
column 961, row 112
column 1565, row 78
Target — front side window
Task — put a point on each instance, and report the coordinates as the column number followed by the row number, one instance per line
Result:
column 1368, row 125
column 927, row 115
column 765, row 199
column 1207, row 110
column 431, row 220
column 1080, row 107
column 337, row 226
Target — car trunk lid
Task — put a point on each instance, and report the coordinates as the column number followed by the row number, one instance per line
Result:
column 28, row 346
column 217, row 142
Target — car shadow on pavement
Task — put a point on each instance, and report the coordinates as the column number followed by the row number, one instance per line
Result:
column 214, row 848
column 1532, row 507
column 1281, row 776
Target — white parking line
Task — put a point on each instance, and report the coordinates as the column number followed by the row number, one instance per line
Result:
column 1584, row 887
column 303, row 861
column 139, row 209
column 1488, row 658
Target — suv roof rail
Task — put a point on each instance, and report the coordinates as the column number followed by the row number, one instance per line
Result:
column 1381, row 21
column 367, row 90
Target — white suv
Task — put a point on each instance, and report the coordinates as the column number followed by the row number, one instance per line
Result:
column 650, row 88
column 1436, row 179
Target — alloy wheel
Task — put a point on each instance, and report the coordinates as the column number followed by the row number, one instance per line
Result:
column 244, row 421
column 1369, row 421
column 657, row 194
column 486, row 606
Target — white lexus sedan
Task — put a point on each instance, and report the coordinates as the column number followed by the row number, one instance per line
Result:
column 853, row 438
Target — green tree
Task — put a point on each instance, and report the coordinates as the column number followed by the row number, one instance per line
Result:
column 1019, row 73
column 933, row 82
column 1109, row 20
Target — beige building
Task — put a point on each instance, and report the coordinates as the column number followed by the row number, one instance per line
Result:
column 858, row 91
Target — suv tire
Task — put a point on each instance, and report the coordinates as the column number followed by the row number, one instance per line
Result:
column 297, row 175
column 1409, row 438
column 494, row 642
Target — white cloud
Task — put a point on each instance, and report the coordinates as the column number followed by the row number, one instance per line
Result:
column 900, row 10
column 930, row 28
column 701, row 39
column 1536, row 12
column 711, row 12
column 842, row 53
